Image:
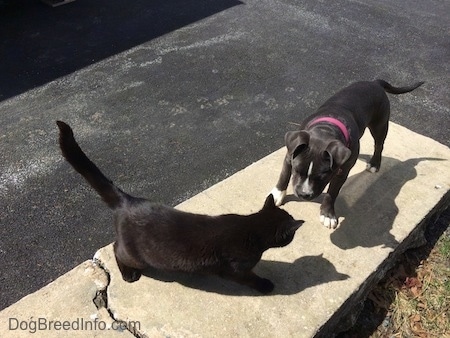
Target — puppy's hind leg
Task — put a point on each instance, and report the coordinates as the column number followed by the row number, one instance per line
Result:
column 379, row 130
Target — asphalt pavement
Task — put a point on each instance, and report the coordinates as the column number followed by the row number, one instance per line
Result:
column 170, row 97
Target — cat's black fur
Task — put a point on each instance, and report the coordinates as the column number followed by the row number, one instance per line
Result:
column 151, row 235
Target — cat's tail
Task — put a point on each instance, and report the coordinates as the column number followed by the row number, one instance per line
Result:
column 398, row 90
column 72, row 152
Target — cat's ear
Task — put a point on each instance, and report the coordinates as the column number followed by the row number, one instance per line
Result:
column 269, row 203
column 285, row 234
column 296, row 224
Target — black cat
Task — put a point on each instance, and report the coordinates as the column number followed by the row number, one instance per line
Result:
column 151, row 235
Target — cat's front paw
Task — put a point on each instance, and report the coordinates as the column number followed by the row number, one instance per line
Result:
column 264, row 285
column 278, row 196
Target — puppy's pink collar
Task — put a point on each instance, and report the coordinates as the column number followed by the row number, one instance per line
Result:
column 336, row 122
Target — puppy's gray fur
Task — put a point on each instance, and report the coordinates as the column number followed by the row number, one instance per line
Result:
column 318, row 153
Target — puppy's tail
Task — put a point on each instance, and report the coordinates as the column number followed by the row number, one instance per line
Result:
column 398, row 90
column 72, row 152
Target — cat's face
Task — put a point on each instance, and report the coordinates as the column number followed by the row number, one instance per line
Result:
column 281, row 226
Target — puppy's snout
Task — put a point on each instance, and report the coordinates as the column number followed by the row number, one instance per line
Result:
column 306, row 195
column 305, row 191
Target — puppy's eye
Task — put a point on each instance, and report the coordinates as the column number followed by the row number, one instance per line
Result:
column 325, row 173
column 301, row 174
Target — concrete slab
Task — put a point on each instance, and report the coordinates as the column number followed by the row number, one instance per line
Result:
column 64, row 307
column 322, row 275
column 320, row 278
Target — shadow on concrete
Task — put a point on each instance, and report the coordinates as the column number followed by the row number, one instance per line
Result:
column 380, row 300
column 39, row 44
column 289, row 278
column 367, row 203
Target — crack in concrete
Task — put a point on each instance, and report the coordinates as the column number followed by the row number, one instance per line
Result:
column 101, row 301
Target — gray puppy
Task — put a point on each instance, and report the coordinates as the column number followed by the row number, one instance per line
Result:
column 327, row 145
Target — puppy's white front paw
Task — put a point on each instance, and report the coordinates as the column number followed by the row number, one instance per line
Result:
column 278, row 196
column 329, row 222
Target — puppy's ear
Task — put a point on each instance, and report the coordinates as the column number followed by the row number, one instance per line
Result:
column 269, row 203
column 336, row 154
column 296, row 142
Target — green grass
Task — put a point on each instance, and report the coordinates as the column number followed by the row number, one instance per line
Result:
column 444, row 247
column 422, row 302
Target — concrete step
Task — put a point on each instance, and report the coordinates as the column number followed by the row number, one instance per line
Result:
column 320, row 278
